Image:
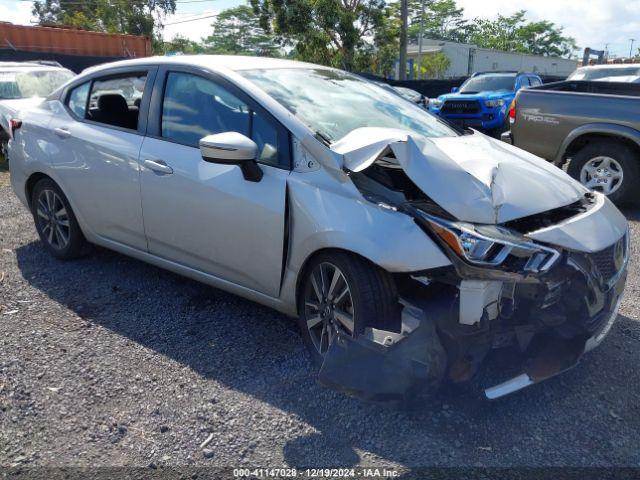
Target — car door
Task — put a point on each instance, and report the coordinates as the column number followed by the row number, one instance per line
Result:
column 206, row 215
column 98, row 134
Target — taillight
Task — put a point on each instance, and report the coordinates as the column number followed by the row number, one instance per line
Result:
column 14, row 124
column 512, row 112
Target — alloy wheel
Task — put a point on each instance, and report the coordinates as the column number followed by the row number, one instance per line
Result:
column 603, row 174
column 328, row 306
column 53, row 219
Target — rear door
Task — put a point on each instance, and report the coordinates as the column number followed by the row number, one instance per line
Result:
column 98, row 134
column 204, row 215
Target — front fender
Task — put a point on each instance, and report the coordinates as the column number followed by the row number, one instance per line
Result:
column 340, row 218
column 599, row 128
column 325, row 214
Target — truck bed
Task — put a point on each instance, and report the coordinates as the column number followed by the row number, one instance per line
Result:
column 549, row 114
column 591, row 87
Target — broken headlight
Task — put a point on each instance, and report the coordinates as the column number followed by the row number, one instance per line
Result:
column 491, row 245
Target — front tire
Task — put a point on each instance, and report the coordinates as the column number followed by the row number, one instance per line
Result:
column 341, row 291
column 608, row 167
column 55, row 221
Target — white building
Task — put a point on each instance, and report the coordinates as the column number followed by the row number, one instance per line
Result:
column 466, row 59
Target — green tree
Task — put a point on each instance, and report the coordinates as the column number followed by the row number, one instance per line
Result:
column 136, row 17
column 442, row 20
column 514, row 34
column 180, row 44
column 433, row 65
column 330, row 32
column 237, row 31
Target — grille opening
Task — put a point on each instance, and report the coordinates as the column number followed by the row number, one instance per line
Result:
column 460, row 106
column 548, row 218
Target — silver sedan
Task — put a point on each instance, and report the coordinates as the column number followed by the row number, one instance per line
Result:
column 406, row 250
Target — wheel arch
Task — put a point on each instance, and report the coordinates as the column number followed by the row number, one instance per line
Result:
column 586, row 134
column 308, row 261
column 31, row 182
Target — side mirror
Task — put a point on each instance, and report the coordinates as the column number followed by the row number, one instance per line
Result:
column 232, row 148
column 455, row 90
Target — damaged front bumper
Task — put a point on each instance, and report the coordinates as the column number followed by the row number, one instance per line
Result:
column 452, row 319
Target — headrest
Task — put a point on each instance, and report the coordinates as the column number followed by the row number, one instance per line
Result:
column 112, row 102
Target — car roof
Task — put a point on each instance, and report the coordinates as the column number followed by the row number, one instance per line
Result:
column 612, row 65
column 504, row 73
column 213, row 62
column 30, row 65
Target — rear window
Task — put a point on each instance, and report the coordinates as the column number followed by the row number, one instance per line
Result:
column 599, row 73
column 31, row 83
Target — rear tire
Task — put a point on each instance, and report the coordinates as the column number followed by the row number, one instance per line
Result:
column 371, row 300
column 55, row 221
column 615, row 162
column 4, row 151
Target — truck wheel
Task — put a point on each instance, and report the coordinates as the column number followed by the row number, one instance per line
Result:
column 506, row 126
column 344, row 292
column 55, row 222
column 608, row 167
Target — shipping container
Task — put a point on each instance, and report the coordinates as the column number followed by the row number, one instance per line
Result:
column 71, row 41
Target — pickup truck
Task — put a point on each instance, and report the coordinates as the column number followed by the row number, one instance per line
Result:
column 593, row 126
column 482, row 100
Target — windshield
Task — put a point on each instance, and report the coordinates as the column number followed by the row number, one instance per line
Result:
column 597, row 73
column 492, row 83
column 407, row 92
column 334, row 103
column 31, row 83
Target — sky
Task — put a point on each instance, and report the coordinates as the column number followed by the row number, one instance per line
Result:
column 593, row 23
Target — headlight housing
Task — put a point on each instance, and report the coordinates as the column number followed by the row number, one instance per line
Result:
column 494, row 103
column 491, row 245
column 435, row 102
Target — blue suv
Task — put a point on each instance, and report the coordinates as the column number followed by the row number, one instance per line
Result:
column 483, row 100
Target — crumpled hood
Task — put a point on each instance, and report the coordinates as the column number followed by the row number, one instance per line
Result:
column 473, row 177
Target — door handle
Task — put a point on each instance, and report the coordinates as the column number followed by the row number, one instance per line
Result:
column 159, row 166
column 62, row 132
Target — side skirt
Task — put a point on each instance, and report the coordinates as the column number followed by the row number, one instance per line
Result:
column 194, row 274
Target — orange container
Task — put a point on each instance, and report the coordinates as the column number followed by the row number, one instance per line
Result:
column 71, row 41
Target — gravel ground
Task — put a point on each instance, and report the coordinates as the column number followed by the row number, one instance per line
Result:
column 108, row 361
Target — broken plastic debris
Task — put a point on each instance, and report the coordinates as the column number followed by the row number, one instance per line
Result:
column 386, row 366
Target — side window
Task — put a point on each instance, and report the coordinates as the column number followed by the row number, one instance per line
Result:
column 78, row 99
column 535, row 81
column 524, row 82
column 116, row 100
column 264, row 133
column 194, row 107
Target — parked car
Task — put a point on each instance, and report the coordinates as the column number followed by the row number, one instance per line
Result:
column 23, row 85
column 483, row 100
column 406, row 249
column 413, row 95
column 629, row 73
column 593, row 126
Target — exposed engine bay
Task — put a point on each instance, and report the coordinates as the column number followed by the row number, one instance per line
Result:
column 539, row 283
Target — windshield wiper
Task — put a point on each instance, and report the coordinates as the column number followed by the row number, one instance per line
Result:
column 323, row 138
